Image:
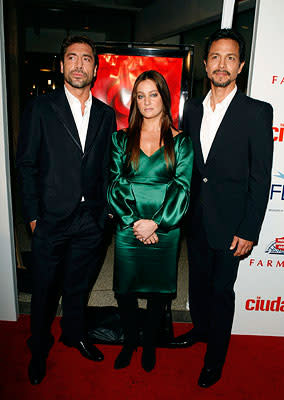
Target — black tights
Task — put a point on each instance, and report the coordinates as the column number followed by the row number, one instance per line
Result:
column 128, row 310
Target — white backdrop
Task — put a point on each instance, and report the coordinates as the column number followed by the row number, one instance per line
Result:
column 260, row 285
column 8, row 292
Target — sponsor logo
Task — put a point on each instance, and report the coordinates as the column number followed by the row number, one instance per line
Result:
column 260, row 304
column 278, row 133
column 276, row 247
column 254, row 263
column 277, row 189
column 277, row 80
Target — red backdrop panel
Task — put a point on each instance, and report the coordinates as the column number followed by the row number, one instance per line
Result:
column 117, row 74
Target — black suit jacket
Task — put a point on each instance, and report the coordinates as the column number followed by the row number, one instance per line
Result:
column 55, row 173
column 229, row 192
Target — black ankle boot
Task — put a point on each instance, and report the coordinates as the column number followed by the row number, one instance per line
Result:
column 124, row 357
column 37, row 370
column 148, row 359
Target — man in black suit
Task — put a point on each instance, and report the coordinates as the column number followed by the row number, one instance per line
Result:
column 233, row 143
column 63, row 157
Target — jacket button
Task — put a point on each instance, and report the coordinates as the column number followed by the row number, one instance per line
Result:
column 205, row 180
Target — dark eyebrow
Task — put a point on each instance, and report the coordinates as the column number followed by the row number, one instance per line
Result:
column 228, row 54
column 76, row 54
column 155, row 90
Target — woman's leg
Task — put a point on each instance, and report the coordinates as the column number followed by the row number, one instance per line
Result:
column 155, row 308
column 128, row 308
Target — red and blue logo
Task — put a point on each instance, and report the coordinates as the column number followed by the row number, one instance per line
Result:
column 276, row 247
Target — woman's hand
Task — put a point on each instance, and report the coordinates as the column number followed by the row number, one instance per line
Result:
column 144, row 228
column 153, row 239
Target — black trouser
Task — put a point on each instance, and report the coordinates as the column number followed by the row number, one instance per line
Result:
column 128, row 310
column 212, row 275
column 68, row 261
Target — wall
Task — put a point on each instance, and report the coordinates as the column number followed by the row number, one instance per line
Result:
column 166, row 18
column 8, row 301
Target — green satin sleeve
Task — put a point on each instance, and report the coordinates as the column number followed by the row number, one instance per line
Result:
column 176, row 199
column 120, row 193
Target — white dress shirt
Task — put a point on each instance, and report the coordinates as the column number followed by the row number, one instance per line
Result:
column 81, row 121
column 211, row 120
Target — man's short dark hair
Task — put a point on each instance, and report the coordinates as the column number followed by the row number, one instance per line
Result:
column 226, row 34
column 77, row 39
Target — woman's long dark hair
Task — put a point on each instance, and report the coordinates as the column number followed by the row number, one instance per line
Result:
column 135, row 120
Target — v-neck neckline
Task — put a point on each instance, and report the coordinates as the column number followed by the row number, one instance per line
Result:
column 156, row 151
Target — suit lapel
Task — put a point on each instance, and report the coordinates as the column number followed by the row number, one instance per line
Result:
column 195, row 135
column 96, row 114
column 225, row 127
column 60, row 105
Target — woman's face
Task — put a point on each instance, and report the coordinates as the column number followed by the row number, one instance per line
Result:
column 149, row 100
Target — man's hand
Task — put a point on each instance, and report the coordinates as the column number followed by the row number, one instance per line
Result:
column 152, row 239
column 243, row 246
column 33, row 225
column 144, row 228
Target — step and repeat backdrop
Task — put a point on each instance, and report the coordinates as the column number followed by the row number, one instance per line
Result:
column 260, row 285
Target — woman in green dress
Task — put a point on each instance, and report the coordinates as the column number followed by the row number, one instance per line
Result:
column 149, row 194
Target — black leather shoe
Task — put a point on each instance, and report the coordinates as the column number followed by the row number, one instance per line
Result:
column 209, row 376
column 87, row 350
column 37, row 370
column 186, row 340
column 124, row 357
column 148, row 359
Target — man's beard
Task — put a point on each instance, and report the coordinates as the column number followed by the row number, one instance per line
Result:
column 221, row 84
column 79, row 84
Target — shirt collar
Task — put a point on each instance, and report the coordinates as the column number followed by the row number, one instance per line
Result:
column 73, row 100
column 223, row 104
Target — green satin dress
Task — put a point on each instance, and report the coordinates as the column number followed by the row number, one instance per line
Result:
column 155, row 192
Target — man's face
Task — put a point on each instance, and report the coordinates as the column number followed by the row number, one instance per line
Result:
column 223, row 62
column 79, row 65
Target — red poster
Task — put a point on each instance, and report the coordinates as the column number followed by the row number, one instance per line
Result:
column 117, row 74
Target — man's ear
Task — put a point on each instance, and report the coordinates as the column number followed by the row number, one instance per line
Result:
column 95, row 70
column 241, row 67
column 61, row 67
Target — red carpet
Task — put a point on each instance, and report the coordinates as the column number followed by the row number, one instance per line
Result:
column 254, row 371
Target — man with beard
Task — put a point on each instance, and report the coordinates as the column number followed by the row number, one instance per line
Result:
column 63, row 156
column 233, row 145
